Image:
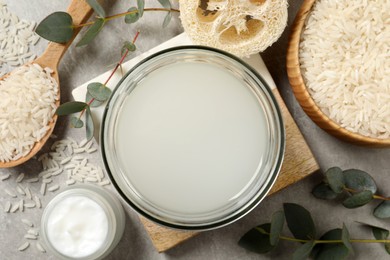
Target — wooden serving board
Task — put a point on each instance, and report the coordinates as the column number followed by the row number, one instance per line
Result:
column 298, row 159
column 298, row 163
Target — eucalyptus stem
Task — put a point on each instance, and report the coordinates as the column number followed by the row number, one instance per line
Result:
column 378, row 197
column 326, row 241
column 112, row 73
column 108, row 18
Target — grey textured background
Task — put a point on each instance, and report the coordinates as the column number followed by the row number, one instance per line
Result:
column 82, row 64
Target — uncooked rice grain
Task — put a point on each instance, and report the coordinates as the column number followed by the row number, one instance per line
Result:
column 24, row 246
column 344, row 59
column 38, row 202
column 27, row 222
column 27, row 105
column 10, row 193
column 16, row 38
column 20, row 178
column 40, row 247
column 7, row 206
column 5, row 176
column 30, row 236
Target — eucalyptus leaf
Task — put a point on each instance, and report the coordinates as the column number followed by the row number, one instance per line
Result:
column 324, row 192
column 76, row 122
column 141, row 7
column 127, row 46
column 335, row 179
column 70, row 108
column 358, row 199
column 333, row 250
column 359, row 180
column 382, row 210
column 165, row 3
column 92, row 32
column 256, row 240
column 133, row 17
column 57, row 27
column 277, row 223
column 97, row 8
column 379, row 234
column 303, row 251
column 89, row 126
column 95, row 102
column 99, row 91
column 299, row 221
column 346, row 238
column 167, row 19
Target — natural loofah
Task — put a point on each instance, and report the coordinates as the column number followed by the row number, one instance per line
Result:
column 241, row 27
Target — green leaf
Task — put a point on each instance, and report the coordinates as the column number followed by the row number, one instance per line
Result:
column 324, row 192
column 299, row 221
column 382, row 210
column 133, row 17
column 141, row 6
column 359, row 180
column 127, row 46
column 358, row 199
column 346, row 238
column 89, row 126
column 379, row 234
column 70, row 108
column 165, row 3
column 95, row 102
column 99, row 91
column 256, row 240
column 335, row 179
column 331, row 251
column 97, row 8
column 277, row 223
column 167, row 19
column 303, row 251
column 76, row 122
column 57, row 27
column 92, row 32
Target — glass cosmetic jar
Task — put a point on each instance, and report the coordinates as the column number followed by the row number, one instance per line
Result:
column 192, row 138
column 82, row 222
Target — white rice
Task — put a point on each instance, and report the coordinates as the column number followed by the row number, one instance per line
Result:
column 40, row 247
column 345, row 62
column 24, row 246
column 16, row 38
column 27, row 105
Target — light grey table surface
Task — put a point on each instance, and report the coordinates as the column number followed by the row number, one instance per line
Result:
column 81, row 64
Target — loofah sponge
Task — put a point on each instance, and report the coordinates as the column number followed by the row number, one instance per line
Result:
column 241, row 27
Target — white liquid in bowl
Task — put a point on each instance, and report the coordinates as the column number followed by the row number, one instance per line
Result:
column 191, row 138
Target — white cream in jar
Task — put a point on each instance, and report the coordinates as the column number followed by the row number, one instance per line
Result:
column 77, row 226
column 82, row 222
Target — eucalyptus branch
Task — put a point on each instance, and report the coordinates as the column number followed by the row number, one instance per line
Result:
column 96, row 91
column 109, row 18
column 355, row 187
column 334, row 244
column 59, row 27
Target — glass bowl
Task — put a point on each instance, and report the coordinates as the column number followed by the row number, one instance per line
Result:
column 192, row 138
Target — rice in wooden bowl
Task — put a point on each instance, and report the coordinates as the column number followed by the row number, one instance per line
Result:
column 339, row 68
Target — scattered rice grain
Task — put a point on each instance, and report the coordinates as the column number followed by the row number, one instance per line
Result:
column 24, row 246
column 20, row 178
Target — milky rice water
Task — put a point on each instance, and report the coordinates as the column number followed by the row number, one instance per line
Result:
column 192, row 138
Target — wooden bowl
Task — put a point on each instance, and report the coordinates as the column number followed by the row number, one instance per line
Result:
column 302, row 94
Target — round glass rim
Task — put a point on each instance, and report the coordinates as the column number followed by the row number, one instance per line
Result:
column 262, row 86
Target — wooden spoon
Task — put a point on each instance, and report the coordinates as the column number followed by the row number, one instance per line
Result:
column 80, row 12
